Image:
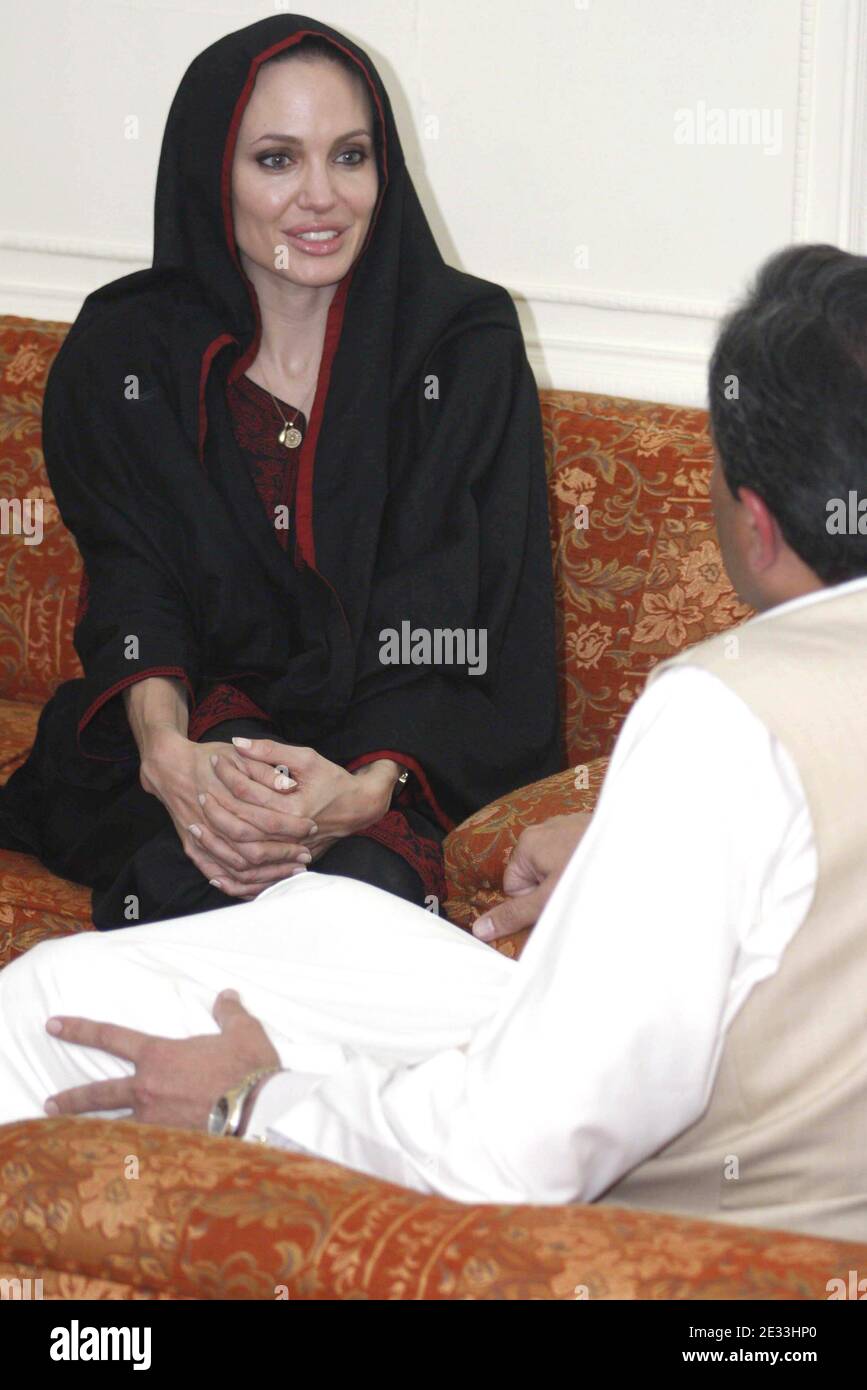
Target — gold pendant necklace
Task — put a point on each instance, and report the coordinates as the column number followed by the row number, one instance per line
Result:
column 290, row 436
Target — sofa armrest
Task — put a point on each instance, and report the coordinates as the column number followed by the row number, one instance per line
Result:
column 477, row 851
column 111, row 1208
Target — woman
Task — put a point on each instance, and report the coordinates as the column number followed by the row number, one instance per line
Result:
column 297, row 435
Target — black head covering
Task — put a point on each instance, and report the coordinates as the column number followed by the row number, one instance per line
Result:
column 416, row 503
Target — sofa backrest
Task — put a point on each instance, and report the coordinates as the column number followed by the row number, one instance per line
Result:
column 637, row 568
column 38, row 582
column 638, row 575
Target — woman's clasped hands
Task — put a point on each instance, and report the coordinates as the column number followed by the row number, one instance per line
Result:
column 243, row 821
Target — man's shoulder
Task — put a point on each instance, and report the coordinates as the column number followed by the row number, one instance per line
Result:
column 688, row 712
column 711, row 654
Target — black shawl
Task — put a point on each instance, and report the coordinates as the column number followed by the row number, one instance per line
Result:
column 431, row 512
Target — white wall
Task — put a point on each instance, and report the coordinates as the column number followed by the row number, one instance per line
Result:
column 546, row 141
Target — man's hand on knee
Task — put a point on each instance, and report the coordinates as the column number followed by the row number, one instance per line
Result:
column 175, row 1081
column 532, row 874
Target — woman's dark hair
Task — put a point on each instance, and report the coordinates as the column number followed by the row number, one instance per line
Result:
column 788, row 399
column 315, row 49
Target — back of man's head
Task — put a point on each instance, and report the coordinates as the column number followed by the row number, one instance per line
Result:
column 788, row 400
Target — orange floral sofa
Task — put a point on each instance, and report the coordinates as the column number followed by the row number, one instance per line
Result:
column 638, row 576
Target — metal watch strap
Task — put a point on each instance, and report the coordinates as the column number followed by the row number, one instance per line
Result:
column 402, row 779
column 234, row 1101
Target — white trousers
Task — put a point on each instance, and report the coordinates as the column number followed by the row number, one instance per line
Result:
column 331, row 967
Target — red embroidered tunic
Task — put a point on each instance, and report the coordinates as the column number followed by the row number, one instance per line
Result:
column 274, row 470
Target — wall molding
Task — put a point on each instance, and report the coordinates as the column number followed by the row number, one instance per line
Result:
column 619, row 368
column 68, row 275
column 49, row 275
column 804, row 110
column 137, row 256
column 853, row 214
column 572, row 295
column 80, row 248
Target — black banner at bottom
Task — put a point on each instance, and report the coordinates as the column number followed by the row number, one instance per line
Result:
column 66, row 1339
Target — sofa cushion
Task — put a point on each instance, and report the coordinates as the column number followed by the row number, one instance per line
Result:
column 24, row 927
column 208, row 1219
column 34, row 903
column 18, row 720
column 477, row 851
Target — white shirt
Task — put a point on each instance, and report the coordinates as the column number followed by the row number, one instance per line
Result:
column 698, row 867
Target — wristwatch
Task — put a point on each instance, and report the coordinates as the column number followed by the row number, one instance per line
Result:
column 224, row 1121
column 402, row 779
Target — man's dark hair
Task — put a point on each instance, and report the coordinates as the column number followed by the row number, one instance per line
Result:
column 788, row 399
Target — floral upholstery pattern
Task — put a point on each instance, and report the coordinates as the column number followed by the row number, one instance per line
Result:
column 105, row 1209
column 39, row 584
column 36, row 905
column 638, row 576
column 18, row 720
column 476, row 853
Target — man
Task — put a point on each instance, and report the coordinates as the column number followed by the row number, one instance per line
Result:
column 684, row 1029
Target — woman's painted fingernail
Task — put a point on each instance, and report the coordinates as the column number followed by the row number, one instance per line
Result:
column 483, row 929
column 51, row 1108
column 214, row 759
column 242, row 742
column 215, row 882
column 195, row 830
column 314, row 828
column 305, row 857
column 299, row 869
column 54, row 1026
column 202, row 796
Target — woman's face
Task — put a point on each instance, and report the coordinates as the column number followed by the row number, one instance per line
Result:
column 304, row 162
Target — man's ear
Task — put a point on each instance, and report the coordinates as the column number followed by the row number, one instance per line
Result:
column 764, row 539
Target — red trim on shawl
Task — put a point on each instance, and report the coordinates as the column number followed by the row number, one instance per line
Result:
column 305, row 548
column 422, row 855
column 445, row 821
column 223, row 702
column 106, row 695
column 304, row 544
column 209, row 354
column 234, row 125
